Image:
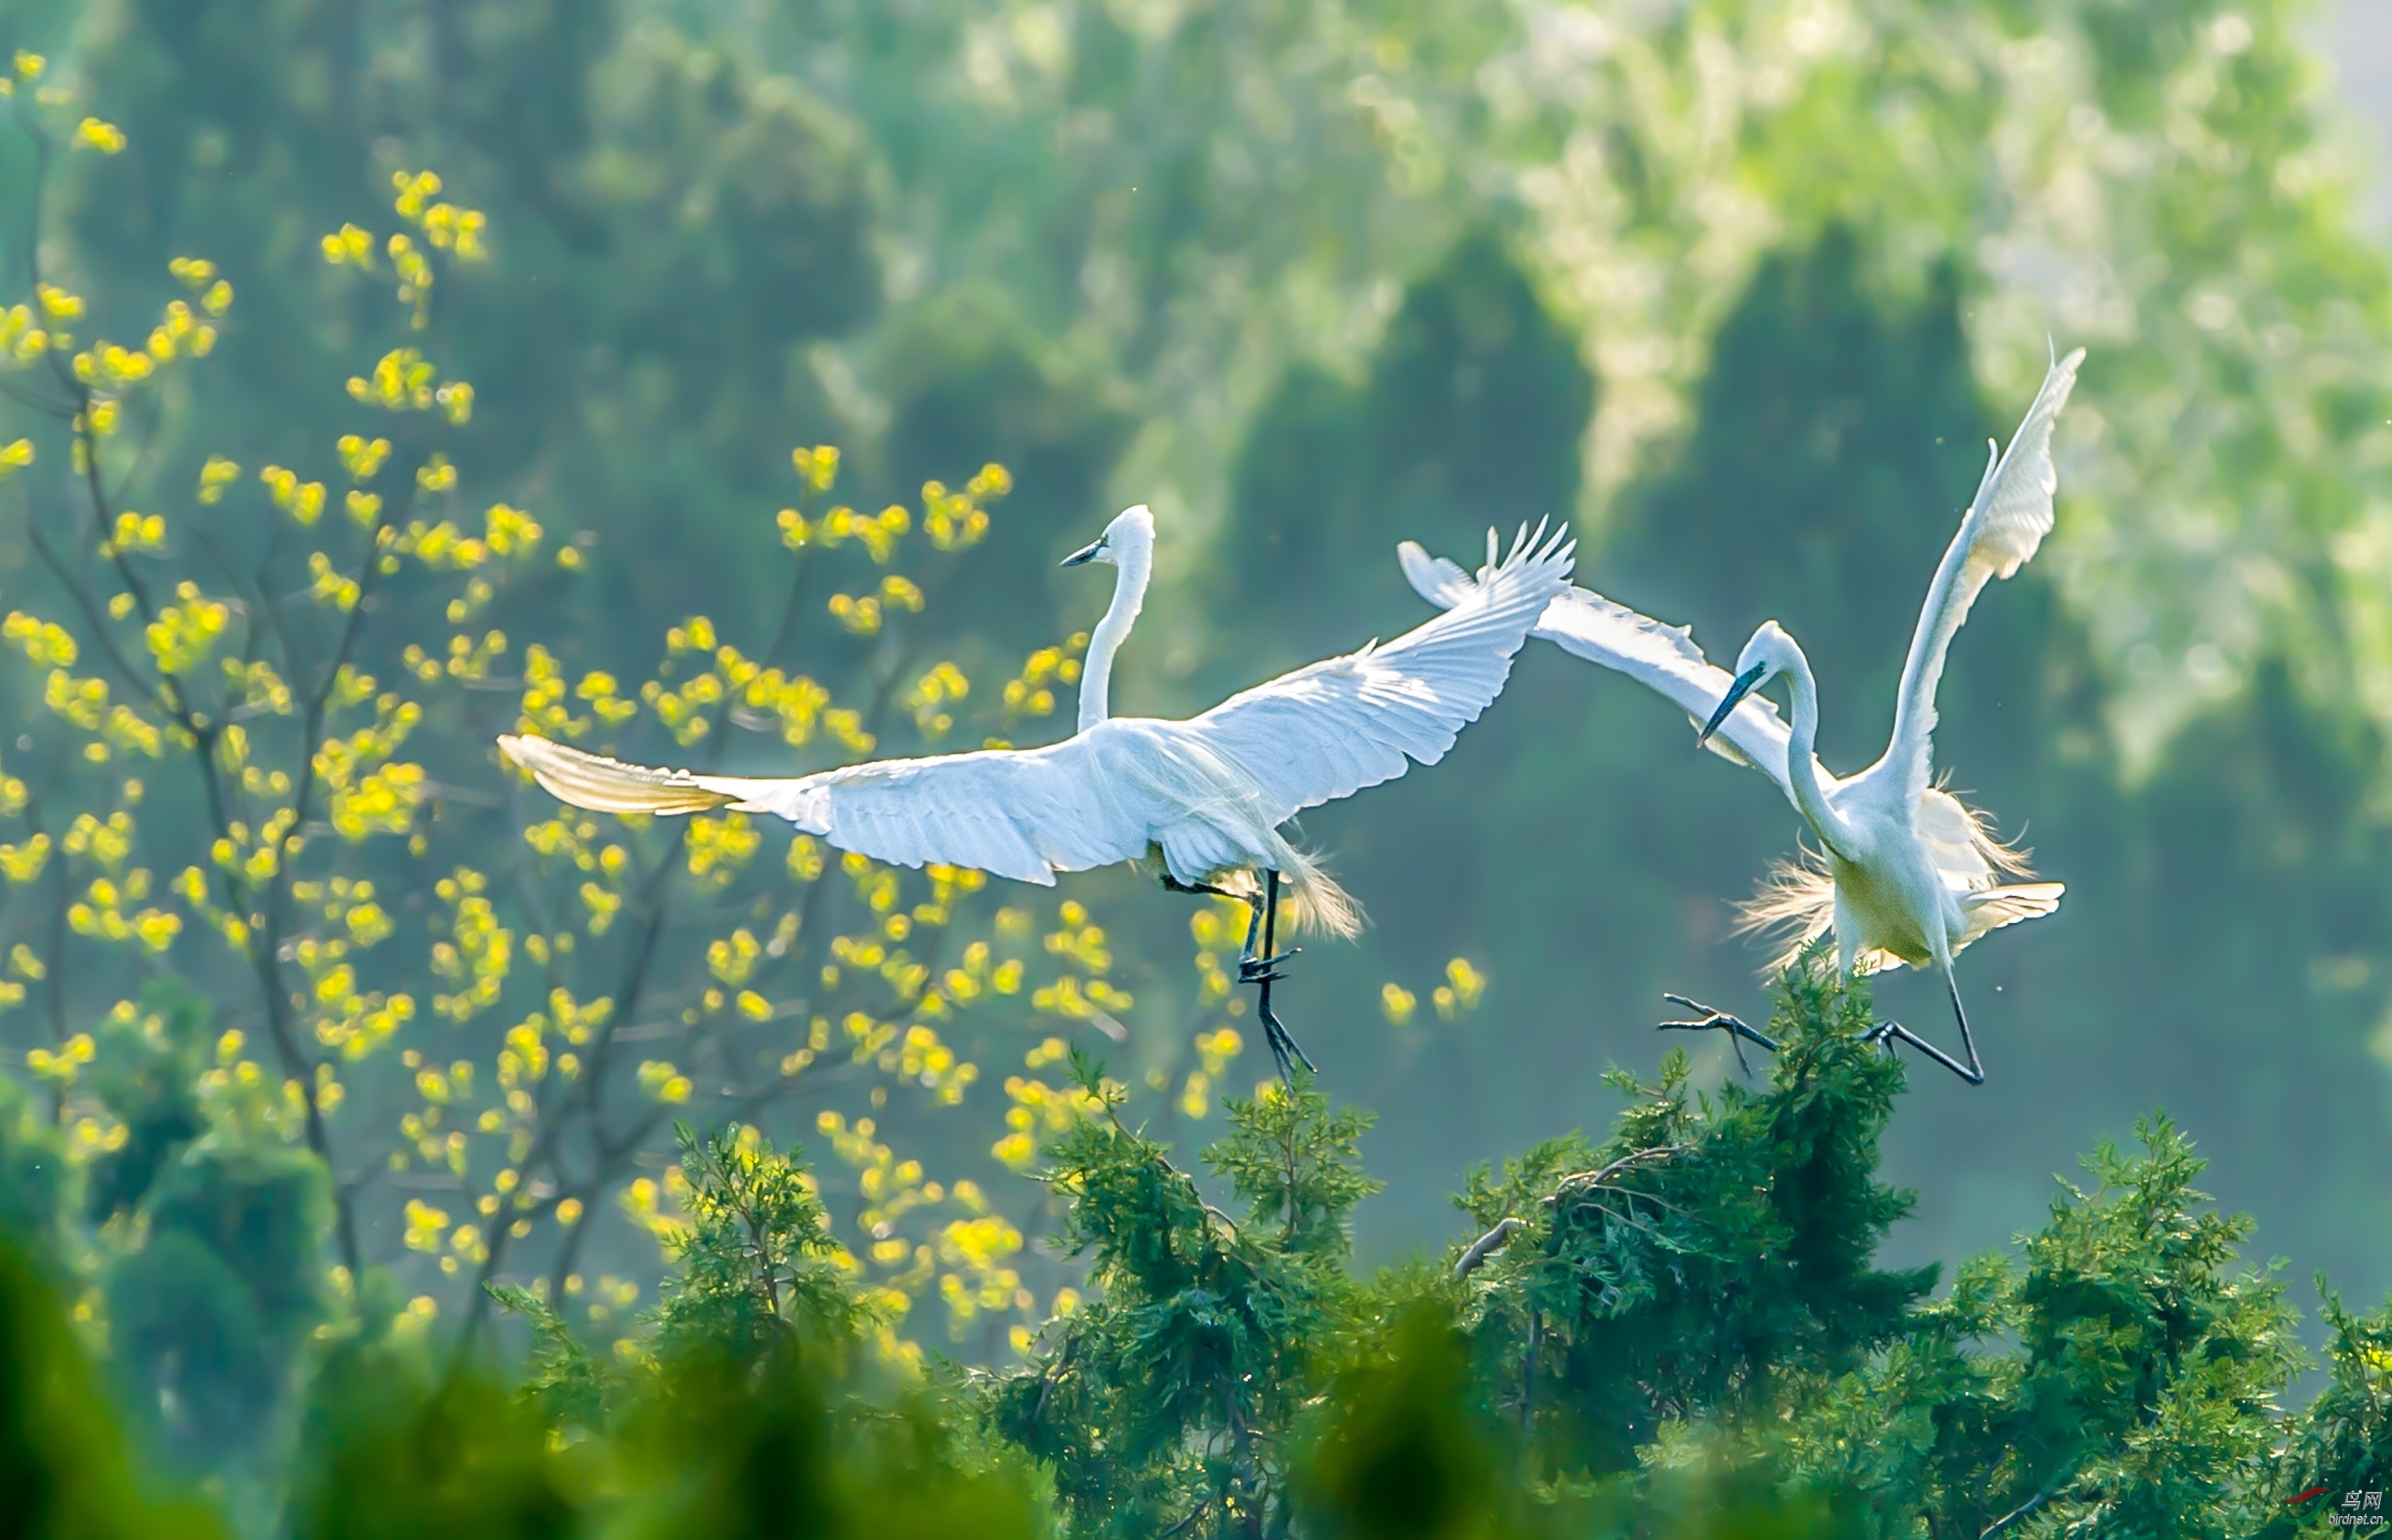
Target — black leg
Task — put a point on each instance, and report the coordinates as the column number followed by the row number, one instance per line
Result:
column 1252, row 964
column 1718, row 1021
column 1951, row 987
column 1262, row 970
column 1892, row 1032
column 1253, row 967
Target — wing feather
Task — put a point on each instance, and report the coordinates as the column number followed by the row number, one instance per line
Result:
column 1212, row 789
column 1330, row 730
column 1019, row 814
column 1663, row 657
column 2002, row 530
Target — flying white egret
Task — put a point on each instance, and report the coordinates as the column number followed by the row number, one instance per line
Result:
column 1198, row 802
column 1906, row 872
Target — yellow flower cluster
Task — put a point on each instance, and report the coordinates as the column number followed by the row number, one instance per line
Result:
column 955, row 521
column 215, row 476
column 443, row 226
column 134, row 532
column 22, row 340
column 817, row 467
column 1039, row 1111
column 367, row 791
column 186, row 631
column 100, row 913
column 976, row 977
column 930, row 696
column 645, row 1202
column 1031, row 692
column 664, row 1083
column 975, row 1253
column 865, row 616
column 45, row 644
column 1461, row 991
column 877, row 532
column 718, row 849
column 446, row 226
column 63, row 1066
column 1215, row 1050
column 1079, row 938
column 479, row 951
column 92, row 134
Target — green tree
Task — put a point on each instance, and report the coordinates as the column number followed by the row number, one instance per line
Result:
column 1170, row 1399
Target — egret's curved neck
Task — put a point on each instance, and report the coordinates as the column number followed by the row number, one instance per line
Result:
column 1801, row 761
column 1096, row 673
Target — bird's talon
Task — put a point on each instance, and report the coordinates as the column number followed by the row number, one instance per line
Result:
column 1255, row 970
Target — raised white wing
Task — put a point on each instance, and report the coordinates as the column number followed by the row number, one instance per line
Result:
column 1328, row 731
column 1021, row 813
column 1665, row 657
column 2006, row 523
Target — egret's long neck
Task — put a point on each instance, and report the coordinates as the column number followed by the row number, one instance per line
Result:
column 1801, row 762
column 1096, row 673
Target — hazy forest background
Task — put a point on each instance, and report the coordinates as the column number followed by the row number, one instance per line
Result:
column 1740, row 286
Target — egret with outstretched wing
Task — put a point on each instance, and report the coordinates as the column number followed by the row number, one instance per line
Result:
column 1200, row 801
column 1906, row 872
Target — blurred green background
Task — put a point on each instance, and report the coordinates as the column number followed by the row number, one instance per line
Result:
column 1740, row 286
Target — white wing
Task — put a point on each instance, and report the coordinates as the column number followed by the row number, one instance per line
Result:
column 1108, row 793
column 2005, row 524
column 1328, row 731
column 1021, row 813
column 1665, row 657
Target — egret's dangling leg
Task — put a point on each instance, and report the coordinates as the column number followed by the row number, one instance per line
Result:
column 1892, row 1032
column 1250, row 965
column 1718, row 1021
column 1261, row 968
column 1256, row 967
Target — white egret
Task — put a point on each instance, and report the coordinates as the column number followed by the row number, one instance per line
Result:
column 1198, row 802
column 1906, row 872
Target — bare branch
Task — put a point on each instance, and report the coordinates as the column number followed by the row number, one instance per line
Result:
column 1487, row 1245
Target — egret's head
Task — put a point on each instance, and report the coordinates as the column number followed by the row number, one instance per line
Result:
column 1764, row 659
column 1130, row 534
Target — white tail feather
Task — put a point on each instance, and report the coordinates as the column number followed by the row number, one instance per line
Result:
column 609, row 785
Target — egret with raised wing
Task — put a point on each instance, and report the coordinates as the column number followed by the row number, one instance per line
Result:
column 1905, row 872
column 1200, row 802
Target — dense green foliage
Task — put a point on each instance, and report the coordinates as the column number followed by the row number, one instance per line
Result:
column 1681, row 1331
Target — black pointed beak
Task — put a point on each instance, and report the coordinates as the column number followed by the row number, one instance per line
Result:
column 1086, row 553
column 1736, row 693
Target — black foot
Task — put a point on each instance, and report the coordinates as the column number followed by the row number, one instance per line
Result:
column 1888, row 1033
column 1258, row 965
column 1738, row 1034
column 1260, row 970
column 1285, row 1053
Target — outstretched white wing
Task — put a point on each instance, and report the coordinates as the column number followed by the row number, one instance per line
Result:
column 1665, row 657
column 1328, row 731
column 2006, row 523
column 1209, row 790
column 1021, row 813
